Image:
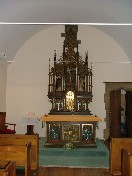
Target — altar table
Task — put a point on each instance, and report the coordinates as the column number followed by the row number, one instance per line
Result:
column 78, row 129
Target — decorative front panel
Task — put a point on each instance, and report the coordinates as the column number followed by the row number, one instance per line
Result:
column 87, row 132
column 71, row 132
column 54, row 132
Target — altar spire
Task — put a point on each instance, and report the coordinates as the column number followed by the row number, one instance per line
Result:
column 70, row 78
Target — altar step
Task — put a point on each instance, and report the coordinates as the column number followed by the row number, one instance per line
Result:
column 78, row 157
column 77, row 144
column 75, row 153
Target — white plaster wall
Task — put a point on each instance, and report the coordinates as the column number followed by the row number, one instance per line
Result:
column 27, row 77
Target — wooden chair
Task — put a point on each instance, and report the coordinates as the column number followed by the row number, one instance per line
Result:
column 4, row 127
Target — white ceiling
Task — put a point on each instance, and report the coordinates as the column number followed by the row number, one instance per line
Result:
column 12, row 36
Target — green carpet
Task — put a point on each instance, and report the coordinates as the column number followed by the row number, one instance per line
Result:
column 80, row 157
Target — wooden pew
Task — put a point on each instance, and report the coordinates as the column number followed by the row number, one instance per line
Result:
column 126, row 163
column 116, row 147
column 7, row 168
column 21, row 154
column 21, row 139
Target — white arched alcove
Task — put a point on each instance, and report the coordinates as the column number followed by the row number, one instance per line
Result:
column 27, row 77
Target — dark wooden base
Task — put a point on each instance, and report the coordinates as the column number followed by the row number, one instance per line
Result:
column 77, row 144
column 81, row 112
column 30, row 130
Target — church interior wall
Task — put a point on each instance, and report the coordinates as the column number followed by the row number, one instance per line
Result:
column 27, row 76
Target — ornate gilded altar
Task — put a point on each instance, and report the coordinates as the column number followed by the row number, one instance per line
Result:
column 70, row 92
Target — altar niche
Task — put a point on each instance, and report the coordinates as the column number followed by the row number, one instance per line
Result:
column 70, row 78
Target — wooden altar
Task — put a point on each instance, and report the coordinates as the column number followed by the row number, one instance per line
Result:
column 70, row 92
column 78, row 129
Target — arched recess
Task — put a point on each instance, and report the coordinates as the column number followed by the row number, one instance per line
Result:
column 116, row 86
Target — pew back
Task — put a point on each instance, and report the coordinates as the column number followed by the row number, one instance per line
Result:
column 21, row 154
column 15, row 139
column 7, row 168
column 126, row 163
column 116, row 147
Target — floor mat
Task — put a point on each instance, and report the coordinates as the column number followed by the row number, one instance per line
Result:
column 80, row 157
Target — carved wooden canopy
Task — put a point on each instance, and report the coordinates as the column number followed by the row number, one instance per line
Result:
column 70, row 79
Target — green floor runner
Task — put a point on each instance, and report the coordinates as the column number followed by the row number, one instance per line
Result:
column 80, row 157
